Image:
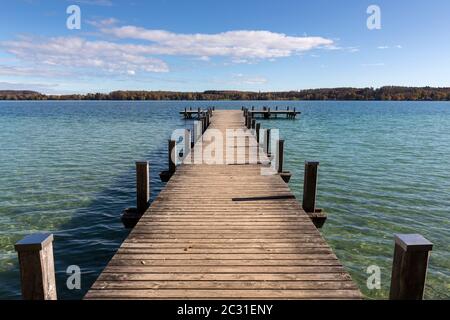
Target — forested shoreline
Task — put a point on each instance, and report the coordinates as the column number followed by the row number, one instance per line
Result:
column 390, row 93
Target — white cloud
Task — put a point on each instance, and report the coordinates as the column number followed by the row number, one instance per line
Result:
column 32, row 71
column 243, row 44
column 379, row 64
column 106, row 3
column 70, row 54
column 388, row 47
column 249, row 80
column 26, row 86
column 74, row 52
column 103, row 22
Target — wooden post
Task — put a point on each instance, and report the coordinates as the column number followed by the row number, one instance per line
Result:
column 245, row 120
column 253, row 123
column 37, row 268
column 172, row 157
column 142, row 186
column 280, row 151
column 258, row 128
column 267, row 141
column 409, row 267
column 310, row 186
column 249, row 122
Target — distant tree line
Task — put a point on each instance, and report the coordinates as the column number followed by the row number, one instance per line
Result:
column 381, row 94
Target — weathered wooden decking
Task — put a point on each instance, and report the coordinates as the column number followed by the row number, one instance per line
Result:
column 224, row 232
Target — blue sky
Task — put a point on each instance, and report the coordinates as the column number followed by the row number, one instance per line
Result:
column 200, row 45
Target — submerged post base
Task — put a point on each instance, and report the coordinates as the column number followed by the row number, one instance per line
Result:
column 130, row 217
column 318, row 218
column 165, row 176
column 286, row 176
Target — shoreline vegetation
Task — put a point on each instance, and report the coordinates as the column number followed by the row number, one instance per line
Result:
column 389, row 93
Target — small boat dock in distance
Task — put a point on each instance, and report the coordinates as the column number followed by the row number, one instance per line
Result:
column 225, row 231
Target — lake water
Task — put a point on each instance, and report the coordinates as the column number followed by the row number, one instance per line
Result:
column 68, row 168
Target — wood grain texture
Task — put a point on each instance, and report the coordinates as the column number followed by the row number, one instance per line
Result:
column 225, row 231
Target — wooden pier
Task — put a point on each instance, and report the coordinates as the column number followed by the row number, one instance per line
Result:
column 224, row 231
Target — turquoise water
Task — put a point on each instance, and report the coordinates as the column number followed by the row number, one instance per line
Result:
column 68, row 168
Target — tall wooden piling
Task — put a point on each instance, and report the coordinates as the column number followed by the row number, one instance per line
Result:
column 409, row 267
column 172, row 157
column 142, row 186
column 37, row 269
column 267, row 141
column 280, row 156
column 310, row 186
column 253, row 123
column 258, row 128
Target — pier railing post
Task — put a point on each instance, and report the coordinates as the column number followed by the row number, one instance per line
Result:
column 280, row 156
column 310, row 186
column 172, row 165
column 267, row 141
column 258, row 128
column 253, row 123
column 249, row 121
column 409, row 267
column 142, row 186
column 37, row 268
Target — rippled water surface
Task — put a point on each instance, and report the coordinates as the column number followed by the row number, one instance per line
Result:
column 68, row 168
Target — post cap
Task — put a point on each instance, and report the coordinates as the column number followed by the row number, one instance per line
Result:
column 34, row 242
column 413, row 242
column 142, row 162
column 312, row 163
